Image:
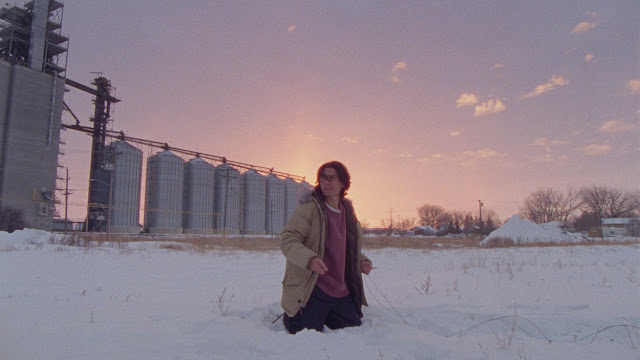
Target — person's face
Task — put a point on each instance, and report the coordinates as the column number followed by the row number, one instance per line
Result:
column 330, row 182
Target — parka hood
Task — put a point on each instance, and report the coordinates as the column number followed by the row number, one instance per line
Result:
column 306, row 195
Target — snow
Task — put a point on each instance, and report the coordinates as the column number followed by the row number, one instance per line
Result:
column 142, row 301
column 522, row 231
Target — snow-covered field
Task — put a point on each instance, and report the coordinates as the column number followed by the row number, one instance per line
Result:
column 145, row 302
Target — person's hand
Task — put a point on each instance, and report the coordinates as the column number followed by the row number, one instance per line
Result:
column 317, row 265
column 366, row 267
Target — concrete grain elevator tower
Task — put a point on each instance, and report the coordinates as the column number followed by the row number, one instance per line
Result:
column 32, row 67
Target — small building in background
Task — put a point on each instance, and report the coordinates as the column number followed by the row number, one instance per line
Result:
column 621, row 227
column 421, row 230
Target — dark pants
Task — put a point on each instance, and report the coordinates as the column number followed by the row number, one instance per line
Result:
column 322, row 310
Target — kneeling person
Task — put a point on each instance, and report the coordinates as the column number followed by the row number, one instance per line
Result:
column 322, row 244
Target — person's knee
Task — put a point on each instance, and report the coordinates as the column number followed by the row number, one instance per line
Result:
column 339, row 322
column 303, row 320
column 292, row 324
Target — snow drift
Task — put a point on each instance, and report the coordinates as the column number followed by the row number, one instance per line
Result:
column 522, row 231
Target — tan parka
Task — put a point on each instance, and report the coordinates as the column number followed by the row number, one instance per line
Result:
column 303, row 238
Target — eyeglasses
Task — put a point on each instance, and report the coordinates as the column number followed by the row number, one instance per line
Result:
column 329, row 178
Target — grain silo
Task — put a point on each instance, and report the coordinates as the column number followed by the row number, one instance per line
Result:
column 254, row 189
column 126, row 182
column 304, row 191
column 275, row 204
column 164, row 193
column 290, row 198
column 227, row 199
column 199, row 180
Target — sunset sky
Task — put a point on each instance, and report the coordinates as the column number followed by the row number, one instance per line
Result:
column 426, row 102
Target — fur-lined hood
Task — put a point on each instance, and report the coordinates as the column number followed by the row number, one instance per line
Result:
column 306, row 194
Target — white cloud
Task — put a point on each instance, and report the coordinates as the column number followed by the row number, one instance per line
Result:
column 498, row 66
column 407, row 155
column 350, row 140
column 615, row 126
column 485, row 153
column 465, row 158
column 543, row 141
column 467, row 100
column 454, row 133
column 595, row 149
column 634, row 86
column 291, row 28
column 401, row 65
column 584, row 26
column 380, row 151
column 548, row 158
column 313, row 137
column 553, row 83
column 489, row 107
column 589, row 57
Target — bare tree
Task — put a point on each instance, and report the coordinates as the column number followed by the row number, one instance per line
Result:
column 572, row 203
column 386, row 223
column 457, row 218
column 468, row 220
column 546, row 204
column 608, row 202
column 405, row 224
column 586, row 221
column 433, row 215
column 491, row 219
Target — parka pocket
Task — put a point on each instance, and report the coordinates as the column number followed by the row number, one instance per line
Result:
column 296, row 276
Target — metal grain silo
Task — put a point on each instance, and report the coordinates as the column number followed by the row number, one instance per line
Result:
column 275, row 204
column 126, row 182
column 199, row 180
column 304, row 191
column 227, row 199
column 254, row 189
column 164, row 193
column 290, row 198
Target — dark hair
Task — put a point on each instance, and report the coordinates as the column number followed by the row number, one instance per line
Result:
column 343, row 175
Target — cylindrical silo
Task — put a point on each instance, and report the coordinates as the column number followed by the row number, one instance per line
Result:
column 227, row 199
column 199, row 180
column 164, row 193
column 304, row 191
column 275, row 204
column 254, row 189
column 126, row 182
column 290, row 198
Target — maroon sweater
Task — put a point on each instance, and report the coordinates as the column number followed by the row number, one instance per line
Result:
column 333, row 281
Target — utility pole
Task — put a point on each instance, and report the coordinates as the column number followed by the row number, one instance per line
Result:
column 226, row 198
column 110, row 200
column 481, row 225
column 66, row 201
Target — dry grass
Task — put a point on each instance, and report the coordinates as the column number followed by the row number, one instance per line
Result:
column 195, row 242
column 265, row 243
column 418, row 242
